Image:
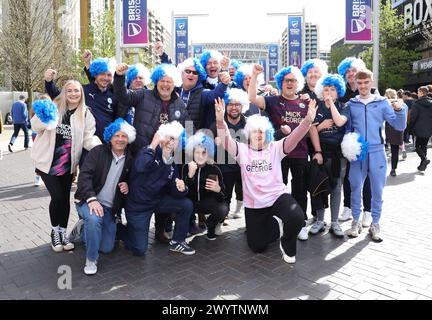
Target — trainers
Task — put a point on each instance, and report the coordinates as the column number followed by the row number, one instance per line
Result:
column 75, row 234
column 355, row 230
column 346, row 214
column 304, row 234
column 66, row 243
column 211, row 235
column 374, row 232
column 56, row 241
column 280, row 224
column 38, row 181
column 393, row 173
column 423, row 165
column 286, row 257
column 404, row 154
column 181, row 247
column 367, row 219
column 218, row 229
column 317, row 226
column 10, row 148
column 90, row 267
column 336, row 230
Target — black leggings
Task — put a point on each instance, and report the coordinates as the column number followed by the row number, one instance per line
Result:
column 262, row 228
column 299, row 172
column 59, row 189
column 421, row 147
column 394, row 156
column 367, row 193
column 218, row 210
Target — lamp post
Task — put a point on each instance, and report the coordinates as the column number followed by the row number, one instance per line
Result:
column 376, row 38
column 183, row 15
column 118, row 13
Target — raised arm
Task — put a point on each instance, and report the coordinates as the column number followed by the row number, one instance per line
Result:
column 252, row 91
column 125, row 96
column 338, row 119
column 223, row 133
column 50, row 86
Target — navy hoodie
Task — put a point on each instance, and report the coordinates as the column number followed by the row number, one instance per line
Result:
column 150, row 180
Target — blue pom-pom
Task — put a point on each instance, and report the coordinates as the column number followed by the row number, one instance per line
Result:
column 280, row 76
column 336, row 81
column 99, row 66
column 364, row 148
column 183, row 139
column 131, row 74
column 46, row 111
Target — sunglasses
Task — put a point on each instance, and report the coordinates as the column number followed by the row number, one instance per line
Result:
column 195, row 73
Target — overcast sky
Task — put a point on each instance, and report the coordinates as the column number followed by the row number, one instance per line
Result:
column 246, row 20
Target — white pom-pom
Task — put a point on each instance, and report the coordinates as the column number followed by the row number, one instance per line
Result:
column 351, row 147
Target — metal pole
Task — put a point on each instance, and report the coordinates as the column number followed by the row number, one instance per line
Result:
column 118, row 28
column 376, row 38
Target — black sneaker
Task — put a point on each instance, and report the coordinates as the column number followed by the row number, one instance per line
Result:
column 10, row 148
column 423, row 165
column 211, row 235
column 67, row 245
column 56, row 241
column 181, row 247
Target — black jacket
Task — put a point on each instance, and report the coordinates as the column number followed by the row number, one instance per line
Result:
column 94, row 172
column 196, row 185
column 148, row 106
column 421, row 117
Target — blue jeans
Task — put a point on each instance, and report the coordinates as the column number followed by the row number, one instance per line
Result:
column 17, row 128
column 99, row 232
column 139, row 222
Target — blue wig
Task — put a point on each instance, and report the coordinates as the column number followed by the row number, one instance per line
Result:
column 47, row 112
column 317, row 63
column 235, row 63
column 169, row 70
column 131, row 74
column 99, row 66
column 331, row 80
column 200, row 139
column 119, row 125
column 279, row 77
column 205, row 57
column 306, row 66
column 194, row 62
column 345, row 65
column 239, row 78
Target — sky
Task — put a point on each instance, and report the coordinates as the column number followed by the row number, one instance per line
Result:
column 246, row 21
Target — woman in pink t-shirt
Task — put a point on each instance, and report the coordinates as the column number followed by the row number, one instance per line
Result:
column 270, row 211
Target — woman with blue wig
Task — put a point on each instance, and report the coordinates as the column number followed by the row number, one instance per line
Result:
column 328, row 90
column 205, row 182
column 271, row 212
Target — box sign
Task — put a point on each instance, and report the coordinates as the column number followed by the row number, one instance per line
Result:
column 358, row 24
column 135, row 32
column 422, row 65
column 417, row 12
column 181, row 40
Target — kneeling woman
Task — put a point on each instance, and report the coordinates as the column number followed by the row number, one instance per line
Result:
column 205, row 182
column 270, row 211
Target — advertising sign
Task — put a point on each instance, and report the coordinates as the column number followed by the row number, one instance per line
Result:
column 181, row 39
column 358, row 24
column 295, row 41
column 135, row 32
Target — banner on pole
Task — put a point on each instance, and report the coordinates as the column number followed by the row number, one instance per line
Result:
column 358, row 24
column 295, row 25
column 135, row 31
column 181, row 39
column 273, row 61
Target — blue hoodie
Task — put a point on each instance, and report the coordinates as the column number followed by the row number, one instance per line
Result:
column 368, row 120
column 19, row 113
column 150, row 179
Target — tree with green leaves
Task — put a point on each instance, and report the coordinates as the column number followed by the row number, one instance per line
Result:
column 395, row 63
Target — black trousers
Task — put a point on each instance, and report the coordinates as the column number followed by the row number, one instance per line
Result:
column 217, row 210
column 233, row 180
column 17, row 128
column 59, row 189
column 262, row 228
column 394, row 156
column 299, row 171
column 367, row 193
column 421, row 147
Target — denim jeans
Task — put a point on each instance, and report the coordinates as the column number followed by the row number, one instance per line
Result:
column 139, row 222
column 99, row 232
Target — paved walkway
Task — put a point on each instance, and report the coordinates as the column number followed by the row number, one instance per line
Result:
column 327, row 268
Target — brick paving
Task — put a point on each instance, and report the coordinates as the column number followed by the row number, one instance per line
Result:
column 327, row 268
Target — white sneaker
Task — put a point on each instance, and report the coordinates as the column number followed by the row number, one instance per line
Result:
column 367, row 219
column 374, row 232
column 218, row 229
column 346, row 214
column 355, row 230
column 304, row 234
column 286, row 257
column 90, row 267
column 38, row 181
column 280, row 223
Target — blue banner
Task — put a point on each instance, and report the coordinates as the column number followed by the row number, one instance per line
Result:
column 197, row 51
column 263, row 63
column 273, row 60
column 295, row 41
column 181, row 40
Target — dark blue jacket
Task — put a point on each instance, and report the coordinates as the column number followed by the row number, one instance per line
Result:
column 103, row 105
column 150, row 179
column 19, row 113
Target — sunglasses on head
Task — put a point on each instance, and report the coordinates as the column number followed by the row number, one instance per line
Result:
column 195, row 73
